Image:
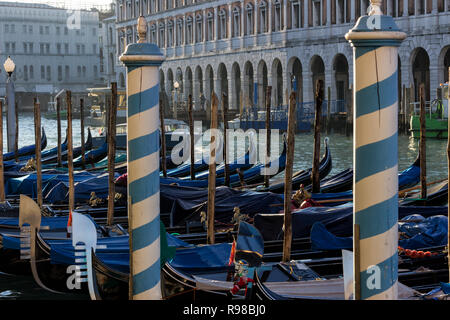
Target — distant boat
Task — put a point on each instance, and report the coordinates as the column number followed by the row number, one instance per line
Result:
column 436, row 118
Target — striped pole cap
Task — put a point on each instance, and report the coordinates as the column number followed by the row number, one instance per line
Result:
column 142, row 53
column 375, row 29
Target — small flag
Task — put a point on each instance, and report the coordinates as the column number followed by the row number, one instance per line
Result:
column 232, row 253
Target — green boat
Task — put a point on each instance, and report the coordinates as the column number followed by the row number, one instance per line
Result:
column 436, row 118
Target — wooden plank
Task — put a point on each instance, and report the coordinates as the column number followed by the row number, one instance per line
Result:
column 315, row 178
column 288, row 179
column 212, row 172
column 70, row 150
column 112, row 153
column 268, row 134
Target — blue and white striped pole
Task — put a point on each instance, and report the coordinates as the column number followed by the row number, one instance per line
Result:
column 375, row 40
column 142, row 61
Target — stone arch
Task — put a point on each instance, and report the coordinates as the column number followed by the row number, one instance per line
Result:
column 198, row 88
column 188, row 83
column 262, row 80
column 420, row 69
column 444, row 64
column 317, row 68
column 222, row 78
column 341, row 82
column 249, row 84
column 277, row 82
column 236, row 82
column 209, row 81
column 295, row 73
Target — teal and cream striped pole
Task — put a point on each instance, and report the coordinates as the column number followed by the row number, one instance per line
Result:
column 375, row 40
column 142, row 61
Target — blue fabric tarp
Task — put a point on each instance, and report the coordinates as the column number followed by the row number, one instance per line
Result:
column 419, row 233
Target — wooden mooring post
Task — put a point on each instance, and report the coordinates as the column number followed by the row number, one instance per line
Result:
column 191, row 137
column 268, row 134
column 422, row 146
column 37, row 141
column 448, row 180
column 163, row 137
column 315, row 178
column 328, row 110
column 70, row 150
column 16, row 140
column 83, row 149
column 2, row 180
column 288, row 179
column 58, row 121
column 112, row 153
column 225, row 140
column 212, row 171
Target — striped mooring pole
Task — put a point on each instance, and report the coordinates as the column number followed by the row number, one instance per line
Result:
column 375, row 40
column 142, row 61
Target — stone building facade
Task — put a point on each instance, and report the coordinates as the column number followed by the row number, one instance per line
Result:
column 53, row 49
column 241, row 47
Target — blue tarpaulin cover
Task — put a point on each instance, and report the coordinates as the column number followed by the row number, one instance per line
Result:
column 419, row 233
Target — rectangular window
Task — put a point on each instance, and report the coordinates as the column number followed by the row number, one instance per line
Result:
column 67, row 71
column 6, row 28
column 24, row 28
column 41, row 47
column 47, row 30
column 66, row 48
column 31, row 72
column 59, row 73
column 7, row 47
column 13, row 28
column 30, row 29
column 42, row 72
column 49, row 73
column 25, row 47
column 58, row 31
column 58, row 48
column 47, row 48
column 30, row 47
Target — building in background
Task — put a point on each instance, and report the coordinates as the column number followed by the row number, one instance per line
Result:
column 111, row 69
column 53, row 49
column 241, row 47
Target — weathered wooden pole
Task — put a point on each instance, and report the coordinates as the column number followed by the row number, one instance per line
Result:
column 83, row 149
column 58, row 121
column 315, row 178
column 112, row 153
column 37, row 141
column 405, row 110
column 225, row 140
column 191, row 137
column 328, row 110
column 423, row 146
column 2, row 180
column 288, row 179
column 375, row 40
column 70, row 150
column 16, row 140
column 448, row 170
column 163, row 137
column 268, row 134
column 212, row 170
column 142, row 61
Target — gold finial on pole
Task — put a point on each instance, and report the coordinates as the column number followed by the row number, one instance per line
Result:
column 142, row 29
column 375, row 7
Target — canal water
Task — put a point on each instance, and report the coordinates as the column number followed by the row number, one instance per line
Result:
column 341, row 146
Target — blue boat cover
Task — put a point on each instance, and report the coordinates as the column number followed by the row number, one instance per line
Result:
column 418, row 234
column 337, row 220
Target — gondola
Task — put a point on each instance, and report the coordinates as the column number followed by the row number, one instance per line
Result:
column 28, row 150
column 343, row 181
column 49, row 158
column 437, row 195
column 201, row 166
column 248, row 177
column 303, row 177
